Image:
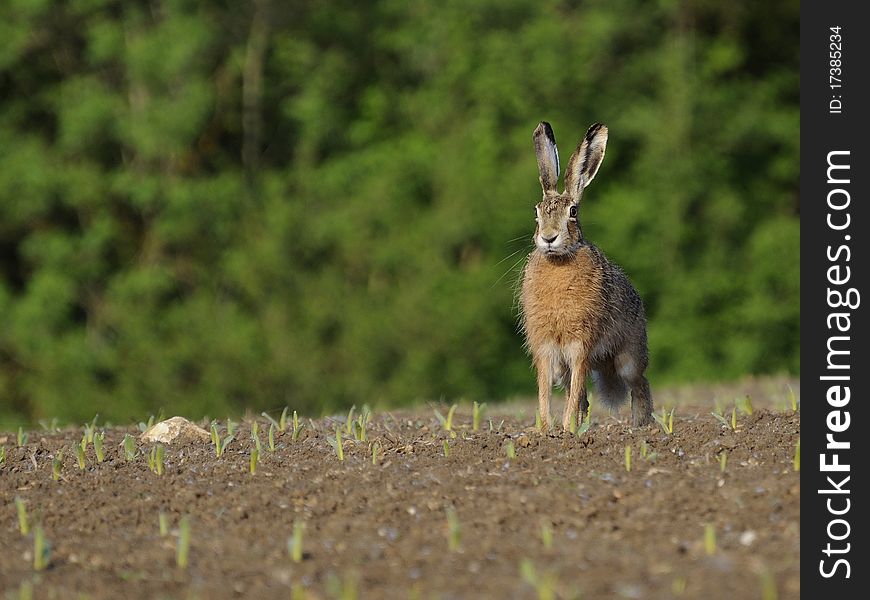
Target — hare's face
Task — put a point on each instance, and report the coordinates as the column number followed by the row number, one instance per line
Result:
column 558, row 231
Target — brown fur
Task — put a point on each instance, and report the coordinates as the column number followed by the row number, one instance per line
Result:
column 581, row 315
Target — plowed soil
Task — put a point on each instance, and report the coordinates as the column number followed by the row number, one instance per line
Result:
column 563, row 517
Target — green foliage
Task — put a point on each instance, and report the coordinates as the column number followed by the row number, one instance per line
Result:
column 185, row 223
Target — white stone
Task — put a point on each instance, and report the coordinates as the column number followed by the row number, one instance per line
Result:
column 176, row 429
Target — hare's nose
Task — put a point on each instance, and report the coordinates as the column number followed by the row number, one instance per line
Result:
column 550, row 240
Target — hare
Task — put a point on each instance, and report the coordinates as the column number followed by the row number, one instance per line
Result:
column 580, row 313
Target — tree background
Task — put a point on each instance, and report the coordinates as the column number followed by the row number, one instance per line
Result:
column 211, row 206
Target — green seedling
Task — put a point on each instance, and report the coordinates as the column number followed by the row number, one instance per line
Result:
column 80, row 457
column 255, row 437
column 129, row 447
column 182, row 550
column 342, row 589
column 446, row 447
column 25, row 591
column 231, row 426
column 545, row 585
column 628, row 459
column 282, row 420
column 493, row 429
column 721, row 418
column 375, row 449
column 23, row 436
column 585, row 422
column 41, row 549
column 709, row 539
column 220, row 446
column 297, row 427
column 539, row 422
column 454, row 531
column 57, row 465
column 644, row 449
column 476, row 414
column 155, row 459
column 99, row 438
column 744, row 404
column 21, row 509
column 348, row 424
column 83, row 444
column 2, row 455
column 510, row 450
column 546, row 535
column 295, row 542
column 793, row 399
column 734, row 419
column 446, row 422
column 666, row 420
column 52, row 425
column 336, row 443
column 723, row 461
column 272, row 437
column 678, row 586
column 797, row 456
column 255, row 459
column 768, row 586
column 163, row 523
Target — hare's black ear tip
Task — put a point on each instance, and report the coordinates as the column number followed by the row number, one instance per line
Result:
column 544, row 128
column 596, row 129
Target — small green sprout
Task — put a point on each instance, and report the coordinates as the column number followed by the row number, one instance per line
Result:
column 163, row 523
column 83, row 444
column 709, row 539
column 768, row 585
column 446, row 422
column 231, row 426
column 52, row 425
column 99, row 438
column 155, row 459
column 348, row 425
column 337, row 444
column 297, row 592
column 539, row 422
column 510, row 450
column 255, row 459
column 22, row 437
column 57, row 465
column 129, row 447
column 628, row 459
column 666, row 420
column 255, row 437
column 454, row 531
column 721, row 418
column 793, row 399
column 282, row 420
column 678, row 586
column 25, row 590
column 182, row 550
column 23, row 523
column 297, row 427
column 2, row 455
column 492, row 428
column 446, row 449
column 723, row 461
column 744, row 404
column 545, row 585
column 41, row 549
column 734, row 419
column 272, row 437
column 644, row 449
column 797, row 456
column 546, row 535
column 271, row 420
column 376, row 446
column 220, row 446
column 476, row 414
column 80, row 457
column 295, row 542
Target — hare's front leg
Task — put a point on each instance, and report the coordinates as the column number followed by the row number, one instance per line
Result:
column 545, row 382
column 575, row 395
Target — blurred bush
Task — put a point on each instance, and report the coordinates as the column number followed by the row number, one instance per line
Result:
column 211, row 205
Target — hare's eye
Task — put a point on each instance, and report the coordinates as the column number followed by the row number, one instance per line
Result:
column 573, row 211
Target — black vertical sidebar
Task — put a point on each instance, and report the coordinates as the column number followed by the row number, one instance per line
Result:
column 834, row 263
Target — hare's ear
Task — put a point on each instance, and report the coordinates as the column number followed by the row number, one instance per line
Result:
column 548, row 156
column 585, row 161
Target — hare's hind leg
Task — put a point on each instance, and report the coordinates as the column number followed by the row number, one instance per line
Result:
column 641, row 402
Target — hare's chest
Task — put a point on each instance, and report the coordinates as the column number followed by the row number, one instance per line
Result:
column 560, row 300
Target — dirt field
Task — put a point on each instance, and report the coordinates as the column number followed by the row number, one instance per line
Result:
column 563, row 518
